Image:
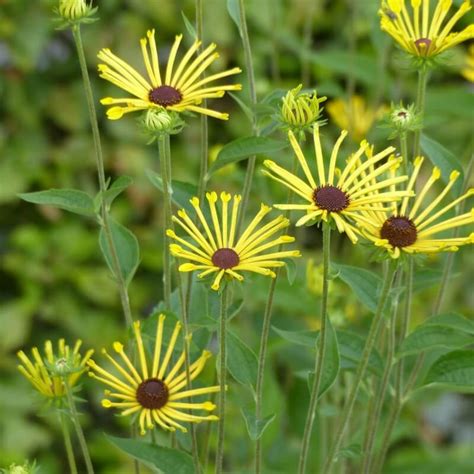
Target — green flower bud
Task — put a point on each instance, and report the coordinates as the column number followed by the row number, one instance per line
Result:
column 73, row 10
column 159, row 120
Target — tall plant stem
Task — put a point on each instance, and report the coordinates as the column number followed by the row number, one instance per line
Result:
column 222, row 378
column 420, row 107
column 67, row 443
column 165, row 160
column 311, row 7
column 401, row 394
column 374, row 414
column 104, row 211
column 319, row 363
column 253, row 99
column 404, row 151
column 361, row 368
column 77, row 425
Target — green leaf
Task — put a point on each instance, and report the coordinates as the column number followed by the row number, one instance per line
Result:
column 233, row 8
column 351, row 346
column 254, row 426
column 444, row 160
column 364, row 283
column 245, row 108
column 454, row 370
column 167, row 460
column 291, row 271
column 241, row 360
column 71, row 200
column 126, row 245
column 189, row 26
column 447, row 331
column 331, row 362
column 117, row 187
column 302, row 338
column 244, row 147
column 353, row 451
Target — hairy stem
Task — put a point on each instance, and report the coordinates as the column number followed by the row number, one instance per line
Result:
column 420, row 107
column 319, row 363
column 361, row 368
column 121, row 283
column 67, row 443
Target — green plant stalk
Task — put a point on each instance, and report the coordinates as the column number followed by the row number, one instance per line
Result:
column 77, row 425
column 222, row 377
column 306, row 50
column 164, row 152
column 361, row 368
column 401, row 395
column 67, row 443
column 122, row 285
column 420, row 106
column 374, row 414
column 253, row 99
column 404, row 151
column 319, row 363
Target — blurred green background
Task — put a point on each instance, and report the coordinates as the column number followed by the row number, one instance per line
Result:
column 54, row 282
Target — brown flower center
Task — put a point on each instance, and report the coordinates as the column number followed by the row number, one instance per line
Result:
column 399, row 231
column 225, row 258
column 423, row 44
column 165, row 96
column 152, row 394
column 330, row 198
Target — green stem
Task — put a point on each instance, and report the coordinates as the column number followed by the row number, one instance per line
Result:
column 67, row 443
column 420, row 106
column 222, row 378
column 404, row 151
column 253, row 99
column 307, row 35
column 122, row 286
column 319, row 363
column 374, row 414
column 77, row 425
column 164, row 152
column 361, row 368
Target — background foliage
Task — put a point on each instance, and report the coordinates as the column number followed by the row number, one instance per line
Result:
column 54, row 282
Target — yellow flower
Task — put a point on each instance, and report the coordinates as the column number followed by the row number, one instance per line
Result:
column 221, row 251
column 154, row 390
column 179, row 89
column 338, row 195
column 354, row 115
column 46, row 374
column 413, row 229
column 420, row 33
column 468, row 70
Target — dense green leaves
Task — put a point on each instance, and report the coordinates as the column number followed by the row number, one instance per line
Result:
column 444, row 160
column 449, row 331
column 256, row 427
column 127, row 249
column 244, row 147
column 454, row 370
column 167, row 460
column 71, row 200
column 364, row 283
column 241, row 360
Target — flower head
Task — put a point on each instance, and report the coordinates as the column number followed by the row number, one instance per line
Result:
column 221, row 251
column 179, row 89
column 412, row 229
column 402, row 119
column 26, row 468
column 47, row 373
column 354, row 115
column 154, row 389
column 420, row 32
column 300, row 110
column 75, row 11
column 338, row 195
column 468, row 69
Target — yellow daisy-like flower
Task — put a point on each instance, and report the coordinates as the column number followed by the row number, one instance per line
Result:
column 154, row 390
column 413, row 230
column 468, row 69
column 221, row 251
column 338, row 195
column 354, row 115
column 180, row 88
column 420, row 33
column 46, row 374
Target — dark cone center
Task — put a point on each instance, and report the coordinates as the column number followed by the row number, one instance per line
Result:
column 165, row 96
column 330, row 198
column 152, row 394
column 399, row 231
column 423, row 44
column 225, row 258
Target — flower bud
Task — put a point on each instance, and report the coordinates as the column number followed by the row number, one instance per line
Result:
column 73, row 10
column 159, row 121
column 402, row 119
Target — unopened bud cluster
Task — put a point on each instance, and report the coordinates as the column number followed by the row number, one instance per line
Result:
column 159, row 121
column 402, row 119
column 75, row 11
